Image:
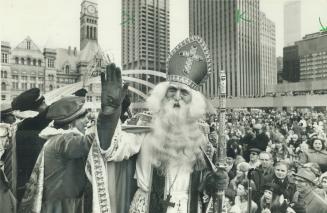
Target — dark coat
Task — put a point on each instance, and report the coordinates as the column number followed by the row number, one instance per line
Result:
column 288, row 186
column 28, row 147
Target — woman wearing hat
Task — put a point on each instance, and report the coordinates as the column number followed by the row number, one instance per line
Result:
column 58, row 178
column 272, row 200
column 316, row 153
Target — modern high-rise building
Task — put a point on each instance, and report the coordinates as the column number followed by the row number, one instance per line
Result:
column 145, row 38
column 313, row 56
column 307, row 59
column 292, row 22
column 268, row 66
column 231, row 29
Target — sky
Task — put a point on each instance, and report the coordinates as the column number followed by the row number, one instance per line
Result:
column 55, row 23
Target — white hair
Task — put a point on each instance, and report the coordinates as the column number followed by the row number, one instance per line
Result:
column 176, row 136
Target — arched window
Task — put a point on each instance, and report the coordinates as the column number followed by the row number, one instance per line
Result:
column 22, row 61
column 95, row 33
column 39, row 63
column 28, row 61
column 91, row 32
column 67, row 69
column 34, row 62
column 50, row 87
column 3, row 86
column 16, row 60
column 88, row 32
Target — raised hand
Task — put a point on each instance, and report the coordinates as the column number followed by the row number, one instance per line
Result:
column 112, row 89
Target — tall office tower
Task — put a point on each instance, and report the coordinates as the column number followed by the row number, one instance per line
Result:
column 145, row 38
column 268, row 65
column 279, row 69
column 231, row 31
column 292, row 22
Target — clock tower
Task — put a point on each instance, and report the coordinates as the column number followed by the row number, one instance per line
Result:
column 88, row 22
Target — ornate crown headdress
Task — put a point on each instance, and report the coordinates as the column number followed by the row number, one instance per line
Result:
column 189, row 62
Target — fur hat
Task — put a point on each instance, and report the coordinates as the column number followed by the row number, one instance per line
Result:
column 27, row 100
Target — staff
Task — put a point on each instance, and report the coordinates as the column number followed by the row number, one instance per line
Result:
column 221, row 142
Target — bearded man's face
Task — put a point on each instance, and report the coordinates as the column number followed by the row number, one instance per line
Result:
column 176, row 104
column 178, row 94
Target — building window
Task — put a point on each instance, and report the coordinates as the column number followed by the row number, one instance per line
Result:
column 28, row 61
column 28, row 45
column 3, row 74
column 50, row 62
column 41, row 79
column 51, row 77
column 41, row 86
column 15, row 85
column 32, row 85
column 67, row 69
column 24, row 78
column 24, row 85
column 39, row 63
column 16, row 60
column 34, row 62
column 33, row 78
column 22, row 61
column 89, row 98
column 50, row 87
column 3, row 97
column 98, row 98
column 3, row 86
column 4, row 58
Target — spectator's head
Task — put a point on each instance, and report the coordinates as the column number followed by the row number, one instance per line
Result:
column 4, row 137
column 265, row 159
column 304, row 180
column 257, row 128
column 317, row 144
column 270, row 196
column 323, row 181
column 242, row 169
column 242, row 189
column 281, row 170
column 294, row 137
column 254, row 153
column 68, row 113
column 229, row 198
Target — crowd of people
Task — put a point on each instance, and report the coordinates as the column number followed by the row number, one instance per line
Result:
column 64, row 160
column 281, row 154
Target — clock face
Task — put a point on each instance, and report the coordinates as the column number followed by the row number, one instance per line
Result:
column 91, row 9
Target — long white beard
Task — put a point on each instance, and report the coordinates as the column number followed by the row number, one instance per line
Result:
column 176, row 137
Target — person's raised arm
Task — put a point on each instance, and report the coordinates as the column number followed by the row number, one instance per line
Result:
column 112, row 94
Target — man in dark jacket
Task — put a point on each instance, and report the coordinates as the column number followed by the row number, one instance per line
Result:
column 307, row 194
column 28, row 143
